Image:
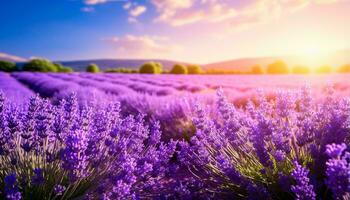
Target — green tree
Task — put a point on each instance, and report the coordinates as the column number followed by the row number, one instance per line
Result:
column 151, row 68
column 194, row 69
column 61, row 68
column 92, row 68
column 159, row 67
column 344, row 69
column 301, row 69
column 256, row 69
column 324, row 69
column 40, row 65
column 278, row 67
column 179, row 69
column 121, row 70
column 7, row 66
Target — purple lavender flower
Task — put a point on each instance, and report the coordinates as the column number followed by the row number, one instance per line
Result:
column 121, row 189
column 229, row 171
column 155, row 134
column 335, row 150
column 338, row 170
column 59, row 190
column 303, row 190
column 280, row 156
column 73, row 157
column 38, row 177
column 2, row 101
column 11, row 188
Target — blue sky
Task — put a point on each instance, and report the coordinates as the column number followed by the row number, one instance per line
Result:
column 58, row 29
column 189, row 30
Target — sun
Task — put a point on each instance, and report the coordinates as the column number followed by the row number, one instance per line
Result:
column 313, row 50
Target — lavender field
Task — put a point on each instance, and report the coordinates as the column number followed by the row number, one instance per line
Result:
column 118, row 86
column 117, row 136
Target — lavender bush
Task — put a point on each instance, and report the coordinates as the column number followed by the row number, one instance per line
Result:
column 67, row 152
column 288, row 148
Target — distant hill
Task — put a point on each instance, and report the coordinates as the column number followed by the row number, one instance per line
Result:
column 334, row 59
column 11, row 58
column 80, row 65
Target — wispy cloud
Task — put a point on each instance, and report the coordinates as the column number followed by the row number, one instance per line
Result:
column 87, row 9
column 95, row 2
column 137, row 11
column 142, row 46
column 134, row 11
column 179, row 13
column 211, row 14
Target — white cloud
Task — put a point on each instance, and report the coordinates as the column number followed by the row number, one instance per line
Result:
column 94, row 2
column 87, row 9
column 142, row 46
column 179, row 13
column 172, row 4
column 134, row 11
column 212, row 14
column 137, row 11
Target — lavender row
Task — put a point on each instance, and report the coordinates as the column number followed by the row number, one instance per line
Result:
column 57, row 89
column 15, row 91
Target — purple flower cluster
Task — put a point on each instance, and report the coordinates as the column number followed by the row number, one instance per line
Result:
column 11, row 187
column 303, row 190
column 338, row 170
column 257, row 149
column 70, row 151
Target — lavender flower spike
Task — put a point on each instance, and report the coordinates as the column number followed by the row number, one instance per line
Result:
column 303, row 190
column 338, row 171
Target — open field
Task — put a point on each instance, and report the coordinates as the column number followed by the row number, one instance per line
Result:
column 118, row 136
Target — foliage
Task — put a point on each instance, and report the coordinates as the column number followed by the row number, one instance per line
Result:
column 301, row 69
column 7, row 66
column 324, row 69
column 344, row 69
column 194, row 69
column 40, row 65
column 179, row 69
column 256, row 69
column 151, row 68
column 121, row 70
column 92, row 68
column 61, row 68
column 277, row 67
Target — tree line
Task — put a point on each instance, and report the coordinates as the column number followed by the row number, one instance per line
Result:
column 35, row 65
column 277, row 67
